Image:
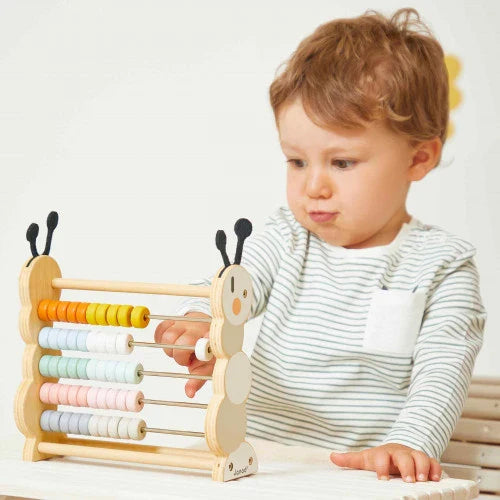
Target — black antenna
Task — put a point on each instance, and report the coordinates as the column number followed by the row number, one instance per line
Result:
column 243, row 229
column 52, row 220
column 220, row 242
column 31, row 236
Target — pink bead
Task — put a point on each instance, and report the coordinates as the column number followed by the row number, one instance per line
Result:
column 111, row 398
column 44, row 392
column 54, row 394
column 63, row 394
column 121, row 400
column 72, row 395
column 132, row 400
column 92, row 397
column 82, row 395
column 101, row 398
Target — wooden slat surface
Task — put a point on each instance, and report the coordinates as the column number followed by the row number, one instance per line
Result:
column 485, row 455
column 482, row 408
column 477, row 430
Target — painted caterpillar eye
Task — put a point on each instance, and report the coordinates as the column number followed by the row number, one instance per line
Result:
column 237, row 295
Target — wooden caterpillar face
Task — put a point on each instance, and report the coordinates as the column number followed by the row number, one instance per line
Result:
column 237, row 295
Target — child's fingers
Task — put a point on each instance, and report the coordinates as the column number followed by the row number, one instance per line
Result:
column 160, row 328
column 422, row 465
column 382, row 463
column 435, row 470
column 404, row 462
column 181, row 356
column 194, row 385
column 170, row 336
column 352, row 459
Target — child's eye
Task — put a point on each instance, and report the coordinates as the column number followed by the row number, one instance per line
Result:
column 344, row 167
column 294, row 162
column 342, row 164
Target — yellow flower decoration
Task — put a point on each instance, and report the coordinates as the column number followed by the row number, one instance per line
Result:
column 455, row 96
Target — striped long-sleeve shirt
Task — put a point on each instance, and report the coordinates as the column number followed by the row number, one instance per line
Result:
column 360, row 347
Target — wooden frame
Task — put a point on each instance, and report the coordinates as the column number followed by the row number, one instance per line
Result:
column 230, row 456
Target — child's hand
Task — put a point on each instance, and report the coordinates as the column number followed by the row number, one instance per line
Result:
column 186, row 333
column 391, row 458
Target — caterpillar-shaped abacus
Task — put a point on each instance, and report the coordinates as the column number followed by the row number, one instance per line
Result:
column 46, row 429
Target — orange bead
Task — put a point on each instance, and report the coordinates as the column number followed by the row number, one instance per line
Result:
column 81, row 312
column 71, row 312
column 52, row 310
column 42, row 310
column 61, row 310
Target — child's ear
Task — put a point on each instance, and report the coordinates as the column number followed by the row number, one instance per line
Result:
column 425, row 157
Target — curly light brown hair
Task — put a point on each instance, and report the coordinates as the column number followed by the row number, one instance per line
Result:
column 366, row 68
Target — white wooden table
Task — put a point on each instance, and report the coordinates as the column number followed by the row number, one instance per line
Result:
column 291, row 472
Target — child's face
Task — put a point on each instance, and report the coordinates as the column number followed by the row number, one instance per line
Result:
column 368, row 195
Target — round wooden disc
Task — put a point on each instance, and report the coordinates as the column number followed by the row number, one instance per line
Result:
column 238, row 378
column 230, row 426
column 237, row 289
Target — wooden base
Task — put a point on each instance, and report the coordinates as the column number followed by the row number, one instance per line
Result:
column 242, row 462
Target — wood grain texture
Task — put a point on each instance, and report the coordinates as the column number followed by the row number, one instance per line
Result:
column 35, row 284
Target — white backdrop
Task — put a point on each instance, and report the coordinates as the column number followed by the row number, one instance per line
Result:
column 146, row 125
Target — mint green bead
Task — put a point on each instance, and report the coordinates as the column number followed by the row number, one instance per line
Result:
column 120, row 371
column 71, row 368
column 131, row 373
column 43, row 365
column 62, row 367
column 53, row 372
column 91, row 369
column 81, row 368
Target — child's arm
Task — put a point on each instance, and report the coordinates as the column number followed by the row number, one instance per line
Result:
column 450, row 338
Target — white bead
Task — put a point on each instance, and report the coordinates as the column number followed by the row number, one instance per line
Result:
column 101, row 341
column 111, row 342
column 123, row 428
column 91, row 340
column 122, row 346
column 113, row 427
column 134, row 428
column 93, row 425
column 102, row 426
column 202, row 350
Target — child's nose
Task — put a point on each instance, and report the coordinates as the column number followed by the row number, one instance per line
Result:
column 319, row 183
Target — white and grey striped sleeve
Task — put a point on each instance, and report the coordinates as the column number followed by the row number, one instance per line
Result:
column 450, row 338
column 261, row 257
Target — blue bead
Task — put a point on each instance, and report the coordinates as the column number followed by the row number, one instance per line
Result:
column 83, row 424
column 81, row 340
column 43, row 337
column 71, row 340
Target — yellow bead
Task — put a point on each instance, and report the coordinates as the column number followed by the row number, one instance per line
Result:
column 140, row 317
column 112, row 315
column 123, row 315
column 90, row 313
column 100, row 314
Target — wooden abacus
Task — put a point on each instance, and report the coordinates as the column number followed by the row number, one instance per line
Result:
column 46, row 429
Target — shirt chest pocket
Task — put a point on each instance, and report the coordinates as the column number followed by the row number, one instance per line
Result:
column 393, row 321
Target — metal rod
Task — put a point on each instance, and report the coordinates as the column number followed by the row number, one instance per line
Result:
column 174, row 375
column 179, row 318
column 172, row 403
column 171, row 431
column 163, row 346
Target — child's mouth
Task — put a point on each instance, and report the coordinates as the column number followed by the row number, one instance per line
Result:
column 322, row 216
